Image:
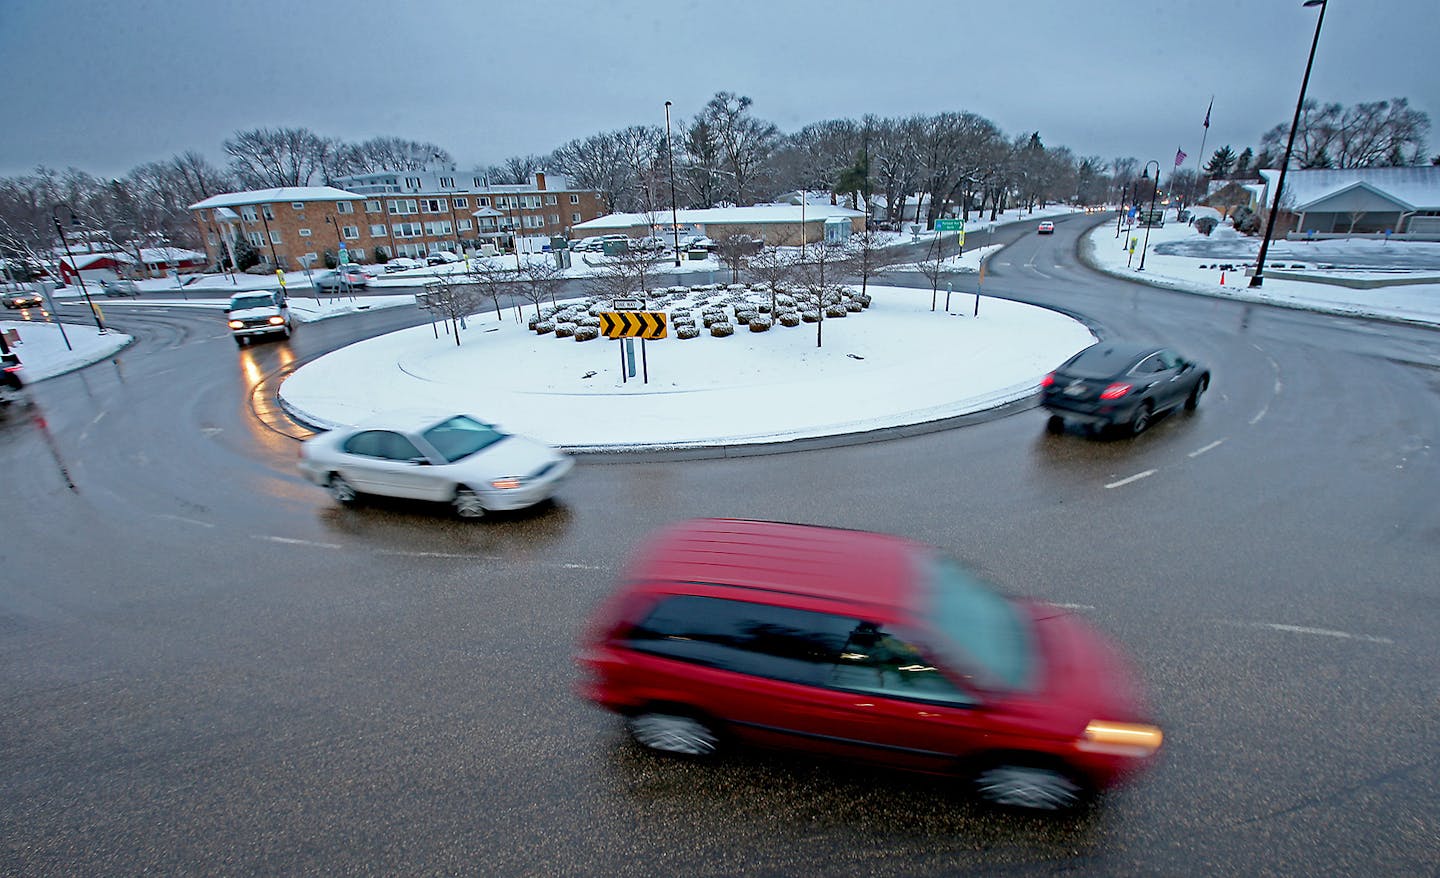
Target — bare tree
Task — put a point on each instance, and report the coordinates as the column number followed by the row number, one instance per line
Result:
column 865, row 256
column 744, row 142
column 735, row 252
column 816, row 283
column 1368, row 134
column 396, row 154
column 775, row 268
column 628, row 273
column 275, row 157
column 934, row 268
column 452, row 298
column 537, row 282
column 492, row 281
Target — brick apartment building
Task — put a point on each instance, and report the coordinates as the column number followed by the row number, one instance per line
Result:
column 395, row 213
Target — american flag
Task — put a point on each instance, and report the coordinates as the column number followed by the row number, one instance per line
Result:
column 1179, row 157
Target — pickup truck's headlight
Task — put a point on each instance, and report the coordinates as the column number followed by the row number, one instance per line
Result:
column 236, row 324
column 276, row 320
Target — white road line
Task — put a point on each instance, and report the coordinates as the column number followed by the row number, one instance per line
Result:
column 1259, row 415
column 1213, row 445
column 1072, row 606
column 185, row 520
column 289, row 541
column 1135, row 478
column 459, row 555
column 582, row 567
column 1322, row 632
column 98, row 419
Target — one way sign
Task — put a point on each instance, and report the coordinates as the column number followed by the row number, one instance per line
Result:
column 633, row 324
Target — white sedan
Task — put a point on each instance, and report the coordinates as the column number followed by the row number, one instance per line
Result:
column 455, row 459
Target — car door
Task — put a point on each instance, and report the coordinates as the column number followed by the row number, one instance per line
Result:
column 386, row 462
column 1171, row 379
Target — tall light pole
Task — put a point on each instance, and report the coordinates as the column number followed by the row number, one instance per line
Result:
column 1149, row 219
column 674, row 211
column 65, row 242
column 1259, row 277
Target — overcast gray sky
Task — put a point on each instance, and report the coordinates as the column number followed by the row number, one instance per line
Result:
column 107, row 85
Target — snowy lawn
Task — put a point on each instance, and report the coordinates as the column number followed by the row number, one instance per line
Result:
column 894, row 363
column 44, row 352
column 1177, row 253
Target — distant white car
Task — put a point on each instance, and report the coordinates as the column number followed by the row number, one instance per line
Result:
column 402, row 263
column 441, row 257
column 455, row 459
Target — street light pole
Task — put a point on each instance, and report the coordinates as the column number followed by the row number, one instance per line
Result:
column 674, row 210
column 1259, row 277
column 1123, row 189
column 65, row 242
column 1150, row 219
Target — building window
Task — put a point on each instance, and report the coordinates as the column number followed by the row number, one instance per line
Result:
column 403, row 206
column 478, row 184
column 438, row 229
column 434, row 205
column 412, row 182
column 487, row 223
column 482, row 202
column 274, row 237
column 351, row 231
column 550, row 199
column 214, row 239
column 269, row 214
column 574, row 217
column 531, row 221
column 372, row 206
column 344, row 207
column 377, row 231
column 257, row 239
column 357, row 253
column 464, row 225
column 407, row 230
column 309, row 258
column 530, row 201
column 447, row 182
column 249, row 214
column 574, row 199
column 554, row 219
column 297, row 205
column 304, row 233
column 462, row 203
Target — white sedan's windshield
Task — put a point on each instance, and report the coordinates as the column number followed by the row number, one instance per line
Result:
column 461, row 436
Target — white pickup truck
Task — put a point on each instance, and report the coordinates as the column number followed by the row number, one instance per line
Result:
column 258, row 312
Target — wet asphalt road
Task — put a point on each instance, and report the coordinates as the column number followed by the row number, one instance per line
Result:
column 205, row 667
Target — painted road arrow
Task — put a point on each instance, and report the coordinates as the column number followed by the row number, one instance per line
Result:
column 633, row 324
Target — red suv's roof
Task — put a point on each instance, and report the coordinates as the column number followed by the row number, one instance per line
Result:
column 797, row 559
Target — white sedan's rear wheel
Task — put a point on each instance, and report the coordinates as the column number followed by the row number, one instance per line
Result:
column 468, row 505
column 340, row 490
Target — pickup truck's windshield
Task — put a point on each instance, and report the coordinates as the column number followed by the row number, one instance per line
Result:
column 461, row 436
column 260, row 300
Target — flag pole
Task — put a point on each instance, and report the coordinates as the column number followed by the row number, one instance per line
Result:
column 1201, row 157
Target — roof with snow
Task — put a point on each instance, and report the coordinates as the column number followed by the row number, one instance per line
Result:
column 760, row 213
column 273, row 196
column 1416, row 188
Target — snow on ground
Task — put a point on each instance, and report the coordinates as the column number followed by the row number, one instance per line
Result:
column 1177, row 252
column 305, row 309
column 895, row 363
column 45, row 353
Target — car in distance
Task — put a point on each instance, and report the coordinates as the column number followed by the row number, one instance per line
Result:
column 256, row 313
column 457, row 459
column 1046, row 228
column 22, row 299
column 402, row 263
column 120, row 287
column 861, row 646
column 1114, row 384
column 339, row 279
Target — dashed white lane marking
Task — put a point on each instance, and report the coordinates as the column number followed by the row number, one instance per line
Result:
column 1135, row 478
column 290, row 541
column 1322, row 632
column 1260, row 415
column 1073, row 606
column 582, row 567
column 460, row 555
column 1212, row 446
column 184, row 520
column 98, row 419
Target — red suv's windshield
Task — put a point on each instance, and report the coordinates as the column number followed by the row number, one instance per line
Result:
column 989, row 629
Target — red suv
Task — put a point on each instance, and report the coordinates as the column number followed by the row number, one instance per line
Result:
column 864, row 646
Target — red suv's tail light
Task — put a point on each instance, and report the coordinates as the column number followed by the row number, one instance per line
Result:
column 1115, row 391
column 1047, row 380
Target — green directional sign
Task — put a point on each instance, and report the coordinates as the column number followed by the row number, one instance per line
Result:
column 633, row 324
column 949, row 225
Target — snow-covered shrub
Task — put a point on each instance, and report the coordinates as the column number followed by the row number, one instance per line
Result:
column 853, row 306
column 1206, row 224
column 545, row 326
column 789, row 318
column 810, row 315
column 711, row 318
column 760, row 324
column 784, row 301
column 565, row 330
column 736, row 288
column 679, row 291
column 687, row 331
column 586, row 333
column 763, row 307
column 682, row 321
column 677, row 313
column 531, row 323
column 745, row 315
column 760, row 287
column 863, row 298
column 589, row 321
column 835, row 310
column 722, row 329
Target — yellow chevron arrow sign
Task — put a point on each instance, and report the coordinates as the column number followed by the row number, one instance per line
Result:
column 633, row 324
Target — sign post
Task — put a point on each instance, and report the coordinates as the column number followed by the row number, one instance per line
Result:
column 951, row 225
column 628, row 323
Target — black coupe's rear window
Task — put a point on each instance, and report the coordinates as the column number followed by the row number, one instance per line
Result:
column 1103, row 360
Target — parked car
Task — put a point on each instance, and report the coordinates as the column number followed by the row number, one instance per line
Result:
column 341, row 279
column 441, row 257
column 15, row 299
column 402, row 263
column 1113, row 384
column 120, row 287
column 861, row 646
column 10, row 381
column 457, row 459
column 257, row 313
column 1046, row 228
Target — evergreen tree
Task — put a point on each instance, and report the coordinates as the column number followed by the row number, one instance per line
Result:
column 1221, row 162
column 1242, row 163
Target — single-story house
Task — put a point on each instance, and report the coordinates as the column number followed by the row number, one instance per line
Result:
column 107, row 265
column 774, row 224
column 1400, row 202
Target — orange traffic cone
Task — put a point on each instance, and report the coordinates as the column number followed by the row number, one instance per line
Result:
column 1222, row 278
